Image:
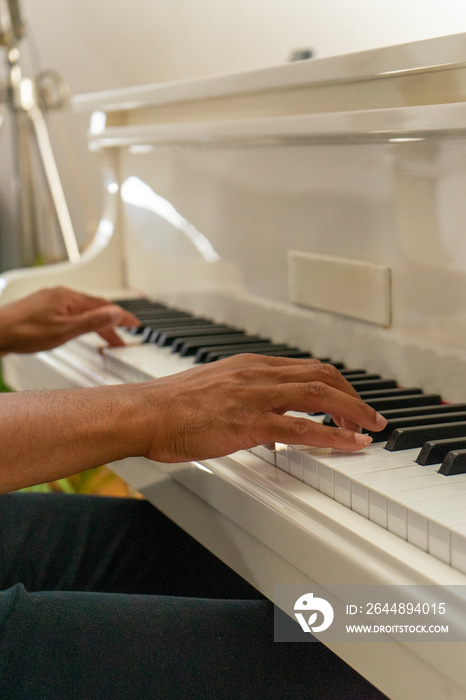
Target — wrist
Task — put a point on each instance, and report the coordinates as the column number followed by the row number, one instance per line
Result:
column 135, row 419
column 148, row 416
column 5, row 333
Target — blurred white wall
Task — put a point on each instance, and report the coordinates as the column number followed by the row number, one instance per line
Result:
column 100, row 44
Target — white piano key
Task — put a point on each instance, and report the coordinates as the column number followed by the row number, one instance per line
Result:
column 296, row 463
column 290, row 463
column 397, row 518
column 434, row 498
column 401, row 504
column 378, row 508
column 335, row 458
column 265, row 452
column 373, row 466
column 381, row 493
column 148, row 360
column 417, row 530
column 440, row 533
column 383, row 483
column 458, row 548
column 322, row 474
column 420, row 514
column 431, row 478
column 311, row 475
column 414, row 508
column 281, row 457
column 360, row 499
column 325, row 480
column 342, row 489
column 396, row 473
column 299, row 414
column 257, row 450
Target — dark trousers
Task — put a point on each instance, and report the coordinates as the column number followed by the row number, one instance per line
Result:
column 106, row 598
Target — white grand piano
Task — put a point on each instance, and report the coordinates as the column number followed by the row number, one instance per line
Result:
column 319, row 204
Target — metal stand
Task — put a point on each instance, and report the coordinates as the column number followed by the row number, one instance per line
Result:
column 25, row 98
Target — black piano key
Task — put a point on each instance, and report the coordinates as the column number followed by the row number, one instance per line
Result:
column 385, row 403
column 289, row 352
column 174, row 323
column 138, row 311
column 235, row 348
column 167, row 336
column 164, row 315
column 177, row 345
column 168, row 321
column 424, row 410
column 136, row 304
column 152, row 327
column 344, row 372
column 374, row 394
column 454, row 463
column 435, row 451
column 412, row 412
column 163, row 311
column 356, row 377
column 372, row 384
column 222, row 352
column 416, row 436
column 191, row 346
column 408, row 421
column 153, row 323
column 136, row 331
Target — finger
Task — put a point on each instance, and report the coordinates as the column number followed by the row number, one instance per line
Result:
column 112, row 338
column 102, row 320
column 345, row 423
column 311, row 397
column 113, row 315
column 300, row 431
column 268, row 362
column 76, row 302
column 306, row 371
column 80, row 303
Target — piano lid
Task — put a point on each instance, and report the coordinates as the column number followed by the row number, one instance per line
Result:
column 425, row 72
column 318, row 203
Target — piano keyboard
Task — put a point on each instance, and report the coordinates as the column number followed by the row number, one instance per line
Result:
column 410, row 481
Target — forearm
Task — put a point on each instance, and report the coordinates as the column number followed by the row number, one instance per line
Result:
column 50, row 435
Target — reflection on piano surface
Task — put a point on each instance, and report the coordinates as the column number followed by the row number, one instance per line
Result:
column 311, row 208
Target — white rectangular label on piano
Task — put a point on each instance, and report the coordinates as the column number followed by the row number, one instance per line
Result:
column 356, row 288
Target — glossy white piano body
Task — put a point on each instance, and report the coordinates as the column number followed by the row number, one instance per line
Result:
column 209, row 185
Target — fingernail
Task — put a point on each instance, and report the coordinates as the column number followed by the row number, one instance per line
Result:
column 362, row 439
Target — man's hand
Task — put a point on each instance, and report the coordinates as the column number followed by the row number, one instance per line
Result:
column 202, row 413
column 50, row 317
column 242, row 401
